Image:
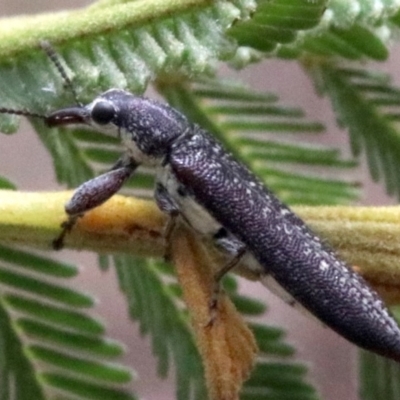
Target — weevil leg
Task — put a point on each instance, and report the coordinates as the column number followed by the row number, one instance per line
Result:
column 229, row 244
column 169, row 206
column 93, row 193
column 66, row 226
column 124, row 161
column 234, row 247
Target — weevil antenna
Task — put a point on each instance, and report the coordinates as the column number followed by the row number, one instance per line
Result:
column 52, row 54
column 25, row 113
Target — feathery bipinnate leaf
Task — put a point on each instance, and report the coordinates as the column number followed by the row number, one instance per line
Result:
column 290, row 28
column 108, row 59
column 122, row 45
column 6, row 183
column 153, row 304
column 155, row 301
column 353, row 43
column 240, row 118
column 369, row 107
column 47, row 343
column 277, row 21
column 379, row 377
column 127, row 44
column 236, row 115
column 148, row 41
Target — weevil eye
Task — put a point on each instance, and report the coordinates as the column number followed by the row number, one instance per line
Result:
column 102, row 112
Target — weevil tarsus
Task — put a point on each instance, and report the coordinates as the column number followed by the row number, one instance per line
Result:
column 66, row 227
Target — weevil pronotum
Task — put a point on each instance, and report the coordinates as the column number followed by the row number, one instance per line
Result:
column 200, row 182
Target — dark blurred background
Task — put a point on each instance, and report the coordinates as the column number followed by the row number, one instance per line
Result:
column 332, row 360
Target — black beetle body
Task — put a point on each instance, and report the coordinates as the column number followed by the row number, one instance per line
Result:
column 221, row 198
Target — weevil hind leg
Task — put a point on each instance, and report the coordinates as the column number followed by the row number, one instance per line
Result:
column 93, row 193
column 232, row 246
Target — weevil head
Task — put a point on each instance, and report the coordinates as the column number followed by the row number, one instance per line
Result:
column 146, row 127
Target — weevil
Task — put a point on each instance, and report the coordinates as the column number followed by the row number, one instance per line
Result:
column 198, row 181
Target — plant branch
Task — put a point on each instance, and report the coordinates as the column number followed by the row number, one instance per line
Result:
column 122, row 225
column 22, row 33
column 367, row 237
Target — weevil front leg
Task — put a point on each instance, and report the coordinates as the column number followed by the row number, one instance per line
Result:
column 93, row 193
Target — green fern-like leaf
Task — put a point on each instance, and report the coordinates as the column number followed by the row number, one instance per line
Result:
column 158, row 309
column 47, row 344
column 154, row 305
column 6, row 183
column 379, row 377
column 120, row 45
column 276, row 22
column 276, row 374
column 16, row 373
column 368, row 106
column 237, row 116
column 290, row 28
column 127, row 44
column 353, row 43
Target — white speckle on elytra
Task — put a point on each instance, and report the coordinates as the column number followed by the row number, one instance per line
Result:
column 288, row 229
column 284, row 211
column 323, row 265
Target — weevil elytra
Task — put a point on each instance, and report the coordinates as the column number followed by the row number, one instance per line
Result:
column 200, row 182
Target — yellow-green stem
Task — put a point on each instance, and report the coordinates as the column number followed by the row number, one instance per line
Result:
column 367, row 237
column 24, row 32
